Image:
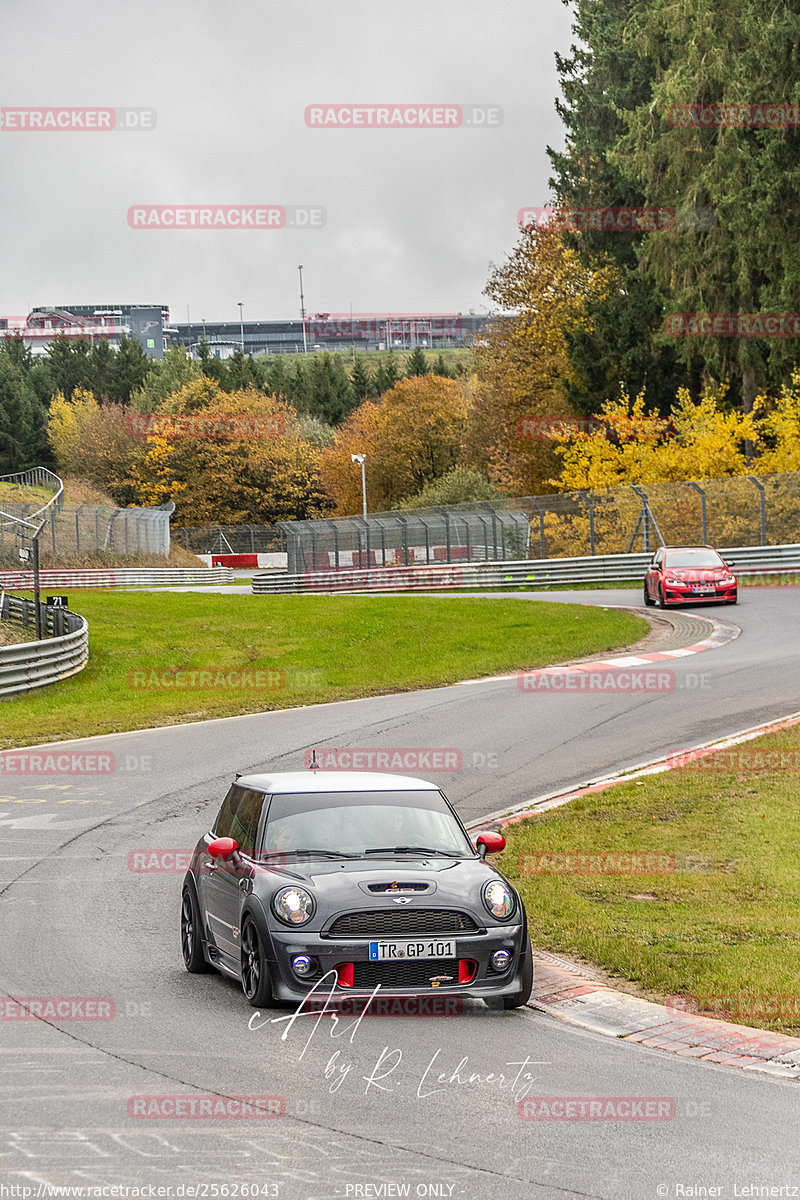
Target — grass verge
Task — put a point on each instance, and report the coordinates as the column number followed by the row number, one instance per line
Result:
column 715, row 918
column 328, row 647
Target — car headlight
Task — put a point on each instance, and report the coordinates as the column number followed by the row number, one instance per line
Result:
column 498, row 898
column 294, row 905
column 729, row 580
column 674, row 582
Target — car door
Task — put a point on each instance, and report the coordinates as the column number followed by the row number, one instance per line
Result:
column 225, row 881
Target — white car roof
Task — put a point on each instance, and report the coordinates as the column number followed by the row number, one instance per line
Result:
column 290, row 782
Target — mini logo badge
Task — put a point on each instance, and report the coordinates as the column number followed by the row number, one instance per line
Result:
column 401, row 900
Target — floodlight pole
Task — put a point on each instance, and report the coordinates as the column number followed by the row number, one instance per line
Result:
column 359, row 458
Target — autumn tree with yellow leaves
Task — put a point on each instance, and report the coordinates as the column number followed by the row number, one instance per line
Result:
column 411, row 436
column 524, row 366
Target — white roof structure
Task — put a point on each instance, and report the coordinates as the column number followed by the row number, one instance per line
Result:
column 290, row 782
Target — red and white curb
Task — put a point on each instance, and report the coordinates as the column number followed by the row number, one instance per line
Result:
column 563, row 991
column 722, row 633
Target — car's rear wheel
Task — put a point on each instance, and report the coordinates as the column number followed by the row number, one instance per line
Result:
column 191, row 939
column 256, row 983
column 647, row 599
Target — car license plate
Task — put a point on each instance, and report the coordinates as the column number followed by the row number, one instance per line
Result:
column 703, row 590
column 382, row 951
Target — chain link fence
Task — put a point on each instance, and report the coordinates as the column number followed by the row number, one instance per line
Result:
column 78, row 530
column 747, row 510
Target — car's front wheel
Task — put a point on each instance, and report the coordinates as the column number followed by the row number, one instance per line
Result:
column 661, row 601
column 520, row 997
column 647, row 599
column 255, row 972
column 191, row 939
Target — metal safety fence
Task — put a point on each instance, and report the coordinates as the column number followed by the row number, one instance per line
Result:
column 231, row 539
column 32, row 664
column 73, row 530
column 745, row 510
column 753, row 564
column 118, row 577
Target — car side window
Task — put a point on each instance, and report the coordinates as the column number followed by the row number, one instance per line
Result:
column 222, row 825
column 239, row 816
column 244, row 826
column 659, row 558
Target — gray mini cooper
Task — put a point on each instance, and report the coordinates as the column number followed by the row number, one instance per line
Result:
column 348, row 882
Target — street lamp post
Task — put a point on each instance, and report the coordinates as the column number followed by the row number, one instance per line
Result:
column 303, row 311
column 241, row 326
column 359, row 458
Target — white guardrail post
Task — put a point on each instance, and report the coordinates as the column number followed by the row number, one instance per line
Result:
column 527, row 573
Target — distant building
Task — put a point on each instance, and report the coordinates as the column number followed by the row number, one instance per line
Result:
column 107, row 323
column 149, row 324
column 333, row 332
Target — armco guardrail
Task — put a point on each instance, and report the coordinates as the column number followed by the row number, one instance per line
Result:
column 530, row 573
column 29, row 665
column 122, row 577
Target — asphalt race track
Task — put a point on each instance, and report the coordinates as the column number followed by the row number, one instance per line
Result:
column 394, row 1106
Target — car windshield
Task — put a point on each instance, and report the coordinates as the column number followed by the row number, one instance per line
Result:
column 691, row 558
column 357, row 822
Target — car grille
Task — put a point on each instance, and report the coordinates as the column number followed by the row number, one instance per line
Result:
column 410, row 921
column 405, row 974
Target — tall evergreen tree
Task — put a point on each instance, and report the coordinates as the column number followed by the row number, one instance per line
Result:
column 17, row 420
column 69, row 364
column 603, row 77
column 417, row 363
column 746, row 262
column 129, row 369
column 361, row 380
column 387, row 374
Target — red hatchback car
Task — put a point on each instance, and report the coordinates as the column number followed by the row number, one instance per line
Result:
column 688, row 574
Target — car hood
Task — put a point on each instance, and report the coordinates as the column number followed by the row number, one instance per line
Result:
column 363, row 884
column 696, row 574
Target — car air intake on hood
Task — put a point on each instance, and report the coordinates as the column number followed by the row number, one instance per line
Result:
column 398, row 887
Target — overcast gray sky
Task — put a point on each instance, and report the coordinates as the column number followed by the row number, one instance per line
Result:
column 413, row 216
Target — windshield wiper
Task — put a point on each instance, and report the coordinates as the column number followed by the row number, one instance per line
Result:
column 318, row 853
column 412, row 850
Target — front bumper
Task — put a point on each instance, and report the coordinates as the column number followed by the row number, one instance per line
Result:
column 334, row 954
column 720, row 595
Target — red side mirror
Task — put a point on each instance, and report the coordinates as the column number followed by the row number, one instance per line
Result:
column 492, row 842
column 223, row 847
